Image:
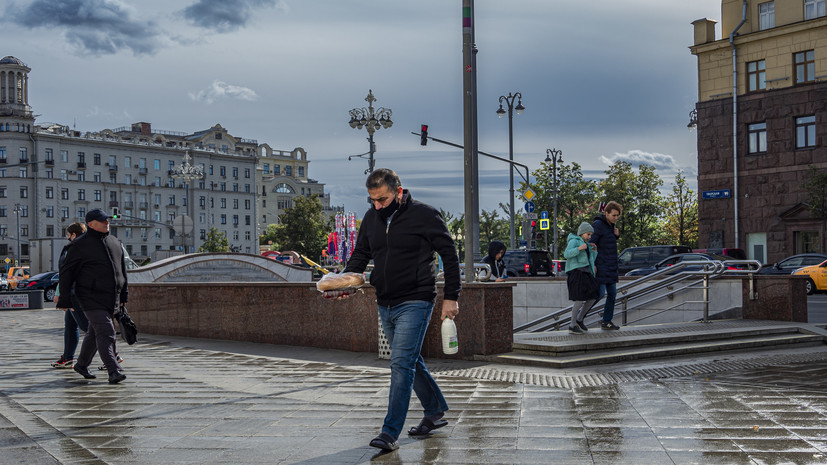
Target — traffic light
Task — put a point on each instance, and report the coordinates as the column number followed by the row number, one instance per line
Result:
column 423, row 135
column 115, row 213
column 533, row 227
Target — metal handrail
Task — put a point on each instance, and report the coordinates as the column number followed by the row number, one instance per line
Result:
column 644, row 286
column 482, row 272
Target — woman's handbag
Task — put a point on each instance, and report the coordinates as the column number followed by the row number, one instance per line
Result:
column 582, row 285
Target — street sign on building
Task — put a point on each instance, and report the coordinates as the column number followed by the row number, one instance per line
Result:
column 719, row 194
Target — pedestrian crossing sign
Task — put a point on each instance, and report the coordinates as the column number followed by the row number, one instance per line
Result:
column 544, row 224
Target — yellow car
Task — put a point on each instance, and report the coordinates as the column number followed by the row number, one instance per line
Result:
column 816, row 277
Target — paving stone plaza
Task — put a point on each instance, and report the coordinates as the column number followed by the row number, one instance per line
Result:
column 195, row 401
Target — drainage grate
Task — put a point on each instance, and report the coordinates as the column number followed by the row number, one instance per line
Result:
column 644, row 374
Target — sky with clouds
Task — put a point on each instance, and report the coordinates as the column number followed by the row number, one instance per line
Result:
column 602, row 81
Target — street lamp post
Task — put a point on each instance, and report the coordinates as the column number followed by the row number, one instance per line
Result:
column 188, row 173
column 372, row 120
column 556, row 157
column 509, row 100
column 17, row 213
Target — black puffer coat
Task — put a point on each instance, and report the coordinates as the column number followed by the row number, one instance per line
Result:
column 606, row 241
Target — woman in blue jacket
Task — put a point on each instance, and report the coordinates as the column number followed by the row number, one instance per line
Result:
column 583, row 290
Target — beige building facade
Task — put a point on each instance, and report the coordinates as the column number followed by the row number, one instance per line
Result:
column 169, row 187
column 759, row 133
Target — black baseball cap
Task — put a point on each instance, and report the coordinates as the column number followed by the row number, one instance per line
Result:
column 97, row 215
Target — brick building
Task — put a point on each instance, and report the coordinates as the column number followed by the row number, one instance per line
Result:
column 778, row 50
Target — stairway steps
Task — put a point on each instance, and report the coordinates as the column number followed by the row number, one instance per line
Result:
column 648, row 351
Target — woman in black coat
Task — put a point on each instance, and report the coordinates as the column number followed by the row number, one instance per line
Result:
column 605, row 237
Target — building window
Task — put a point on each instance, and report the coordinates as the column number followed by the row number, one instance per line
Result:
column 97, row 195
column 301, row 171
column 81, row 194
column 50, row 230
column 235, row 204
column 806, row 241
column 288, row 170
column 24, row 192
column 50, row 173
column 805, row 66
column 64, row 213
column 766, row 15
column 24, row 156
column 223, row 219
column 757, row 134
column 276, row 169
column 235, row 171
column 814, row 9
column 805, row 132
column 247, row 204
column 247, row 220
column 96, row 159
column 235, row 220
column 247, row 173
column 756, row 75
column 81, row 212
column 50, row 156
column 64, row 156
column 156, row 164
column 96, row 177
column 266, row 167
column 2, row 211
column 2, row 153
column 223, row 203
column 172, row 200
column 222, row 170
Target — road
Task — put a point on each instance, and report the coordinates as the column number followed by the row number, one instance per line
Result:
column 817, row 308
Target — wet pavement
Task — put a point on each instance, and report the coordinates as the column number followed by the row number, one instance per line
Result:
column 189, row 401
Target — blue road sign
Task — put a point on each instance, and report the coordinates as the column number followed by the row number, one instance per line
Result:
column 544, row 215
column 719, row 194
column 529, row 206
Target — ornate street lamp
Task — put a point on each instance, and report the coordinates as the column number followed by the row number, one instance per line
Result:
column 372, row 120
column 556, row 157
column 188, row 173
column 509, row 100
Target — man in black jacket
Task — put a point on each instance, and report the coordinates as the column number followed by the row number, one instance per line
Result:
column 401, row 236
column 95, row 266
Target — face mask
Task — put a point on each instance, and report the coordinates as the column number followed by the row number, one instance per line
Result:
column 386, row 212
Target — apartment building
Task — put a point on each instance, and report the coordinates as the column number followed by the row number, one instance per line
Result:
column 761, row 120
column 169, row 187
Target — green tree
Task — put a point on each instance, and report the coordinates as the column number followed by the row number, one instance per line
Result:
column 455, row 227
column 492, row 228
column 303, row 227
column 816, row 187
column 269, row 235
column 680, row 225
column 216, row 242
column 576, row 198
column 641, row 199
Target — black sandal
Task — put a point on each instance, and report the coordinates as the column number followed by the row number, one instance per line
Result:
column 426, row 426
column 385, row 442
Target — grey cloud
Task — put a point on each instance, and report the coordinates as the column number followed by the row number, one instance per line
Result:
column 220, row 89
column 94, row 26
column 664, row 163
column 225, row 15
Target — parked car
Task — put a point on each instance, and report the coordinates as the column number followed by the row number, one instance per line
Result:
column 559, row 267
column 641, row 257
column 4, row 283
column 523, row 262
column 15, row 274
column 678, row 258
column 732, row 253
column 46, row 281
column 816, row 277
column 790, row 264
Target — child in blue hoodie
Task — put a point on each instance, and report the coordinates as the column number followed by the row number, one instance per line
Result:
column 583, row 288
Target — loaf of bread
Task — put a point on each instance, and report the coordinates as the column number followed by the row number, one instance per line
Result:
column 332, row 281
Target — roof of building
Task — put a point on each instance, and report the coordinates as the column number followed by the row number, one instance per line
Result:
column 10, row 60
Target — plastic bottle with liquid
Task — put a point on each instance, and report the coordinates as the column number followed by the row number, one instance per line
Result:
column 450, row 343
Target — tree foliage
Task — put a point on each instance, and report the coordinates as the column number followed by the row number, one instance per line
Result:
column 680, row 224
column 216, row 242
column 641, row 199
column 493, row 228
column 303, row 227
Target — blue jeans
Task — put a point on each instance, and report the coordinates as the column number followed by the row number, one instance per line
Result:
column 610, row 291
column 72, row 320
column 404, row 325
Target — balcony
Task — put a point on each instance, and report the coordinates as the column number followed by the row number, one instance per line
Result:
column 112, row 167
column 48, row 162
column 113, row 203
column 82, row 165
column 24, row 160
column 143, row 205
column 129, row 204
column 142, row 170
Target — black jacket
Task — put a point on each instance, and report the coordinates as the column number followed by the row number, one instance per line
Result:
column 403, row 254
column 497, row 266
column 606, row 241
column 94, row 265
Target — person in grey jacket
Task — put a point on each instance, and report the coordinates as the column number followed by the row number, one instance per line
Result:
column 96, row 269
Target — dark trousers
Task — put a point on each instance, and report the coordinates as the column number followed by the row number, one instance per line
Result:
column 101, row 336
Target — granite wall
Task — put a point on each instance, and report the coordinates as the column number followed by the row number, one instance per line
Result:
column 782, row 298
column 296, row 314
